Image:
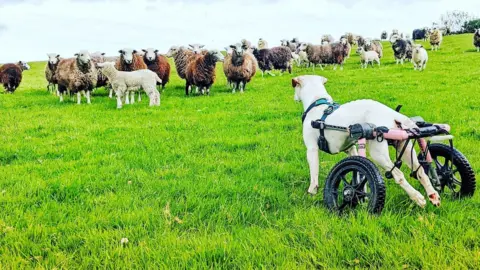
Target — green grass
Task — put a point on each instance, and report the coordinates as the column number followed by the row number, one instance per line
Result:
column 220, row 181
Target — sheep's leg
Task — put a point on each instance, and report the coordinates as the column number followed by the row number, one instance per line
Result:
column 379, row 153
column 335, row 67
column 119, row 100
column 110, row 95
column 313, row 163
column 378, row 61
column 235, row 85
column 410, row 158
column 87, row 95
column 139, row 96
column 321, row 67
column 61, row 97
column 79, row 97
column 241, row 85
column 132, row 99
column 127, row 100
column 208, row 90
column 478, row 49
column 341, row 66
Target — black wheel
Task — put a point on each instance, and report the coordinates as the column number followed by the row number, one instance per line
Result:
column 354, row 182
column 457, row 179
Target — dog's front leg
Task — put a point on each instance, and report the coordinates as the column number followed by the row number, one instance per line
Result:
column 313, row 163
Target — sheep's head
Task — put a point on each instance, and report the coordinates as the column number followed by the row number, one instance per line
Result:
column 477, row 32
column 417, row 48
column 172, row 51
column 360, row 50
column 344, row 41
column 238, row 49
column 301, row 47
column 196, row 48
column 83, row 57
column 53, row 58
column 217, row 55
column 150, row 54
column 295, row 40
column 394, row 38
column 261, row 43
column 23, row 65
column 395, row 31
column 284, row 42
column 127, row 55
column 368, row 42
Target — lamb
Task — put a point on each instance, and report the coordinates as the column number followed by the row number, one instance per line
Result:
column 367, row 57
column 262, row 44
column 274, row 58
column 158, row 64
column 476, row 39
column 300, row 58
column 374, row 45
column 11, row 75
column 241, row 66
column 125, row 82
column 402, row 49
column 436, row 38
column 129, row 60
column 77, row 75
column 201, row 71
column 325, row 54
column 420, row 57
column 327, row 39
column 50, row 70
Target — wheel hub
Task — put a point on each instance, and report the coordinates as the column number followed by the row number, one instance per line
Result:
column 348, row 194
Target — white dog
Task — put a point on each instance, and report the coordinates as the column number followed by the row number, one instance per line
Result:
column 310, row 88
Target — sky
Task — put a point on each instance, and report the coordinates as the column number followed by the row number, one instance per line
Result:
column 29, row 29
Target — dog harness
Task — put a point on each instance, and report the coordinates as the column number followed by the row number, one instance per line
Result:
column 320, row 123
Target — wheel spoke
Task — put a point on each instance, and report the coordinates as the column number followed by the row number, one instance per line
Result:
column 439, row 166
column 456, row 181
column 345, row 182
column 455, row 171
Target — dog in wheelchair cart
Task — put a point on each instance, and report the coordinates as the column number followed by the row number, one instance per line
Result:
column 310, row 90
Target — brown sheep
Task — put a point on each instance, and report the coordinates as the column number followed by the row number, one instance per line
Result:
column 129, row 61
column 325, row 54
column 77, row 75
column 239, row 67
column 182, row 56
column 158, row 64
column 201, row 71
column 11, row 75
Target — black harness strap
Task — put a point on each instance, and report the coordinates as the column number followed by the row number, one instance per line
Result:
column 320, row 124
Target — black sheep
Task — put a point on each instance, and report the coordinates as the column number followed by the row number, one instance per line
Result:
column 274, row 58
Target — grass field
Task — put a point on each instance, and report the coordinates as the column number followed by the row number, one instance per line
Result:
column 220, row 181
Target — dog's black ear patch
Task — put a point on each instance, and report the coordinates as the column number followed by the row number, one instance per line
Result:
column 295, row 82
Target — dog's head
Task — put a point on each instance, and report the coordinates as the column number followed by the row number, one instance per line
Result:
column 310, row 87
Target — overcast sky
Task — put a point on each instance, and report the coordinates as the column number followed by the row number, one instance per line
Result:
column 31, row 28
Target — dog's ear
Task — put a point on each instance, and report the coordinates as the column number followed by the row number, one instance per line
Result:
column 295, row 82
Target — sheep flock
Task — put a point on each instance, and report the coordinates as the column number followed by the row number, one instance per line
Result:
column 129, row 71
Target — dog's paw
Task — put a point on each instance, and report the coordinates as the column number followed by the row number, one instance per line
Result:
column 434, row 199
column 313, row 190
column 418, row 198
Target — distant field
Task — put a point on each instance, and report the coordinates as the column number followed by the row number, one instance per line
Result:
column 220, row 181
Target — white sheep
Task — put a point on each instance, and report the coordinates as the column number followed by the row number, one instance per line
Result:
column 262, row 44
column 420, row 57
column 368, row 57
column 125, row 82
